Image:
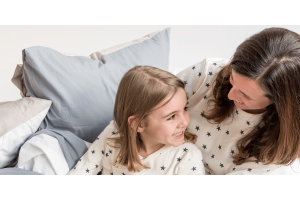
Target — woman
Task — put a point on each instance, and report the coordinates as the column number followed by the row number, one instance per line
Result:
column 246, row 111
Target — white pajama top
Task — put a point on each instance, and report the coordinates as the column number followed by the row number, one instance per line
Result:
column 183, row 160
column 218, row 143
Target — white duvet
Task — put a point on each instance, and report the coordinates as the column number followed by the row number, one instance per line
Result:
column 43, row 154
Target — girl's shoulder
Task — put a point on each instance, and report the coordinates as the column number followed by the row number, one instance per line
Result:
column 109, row 132
column 186, row 148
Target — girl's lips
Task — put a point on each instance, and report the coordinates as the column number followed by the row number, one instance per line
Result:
column 179, row 135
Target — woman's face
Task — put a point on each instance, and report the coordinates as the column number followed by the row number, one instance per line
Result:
column 247, row 94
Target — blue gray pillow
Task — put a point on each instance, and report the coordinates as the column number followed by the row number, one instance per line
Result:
column 83, row 90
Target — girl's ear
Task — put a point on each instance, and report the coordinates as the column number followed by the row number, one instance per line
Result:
column 132, row 121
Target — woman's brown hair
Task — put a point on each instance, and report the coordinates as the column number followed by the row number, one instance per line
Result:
column 140, row 90
column 272, row 58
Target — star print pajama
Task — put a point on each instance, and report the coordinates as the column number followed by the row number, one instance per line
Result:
column 218, row 142
column 183, row 160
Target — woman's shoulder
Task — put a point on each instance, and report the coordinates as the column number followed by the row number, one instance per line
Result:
column 201, row 74
column 205, row 66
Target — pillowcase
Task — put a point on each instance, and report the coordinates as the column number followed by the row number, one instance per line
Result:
column 21, row 119
column 83, row 89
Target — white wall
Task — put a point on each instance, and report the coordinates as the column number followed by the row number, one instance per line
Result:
column 189, row 44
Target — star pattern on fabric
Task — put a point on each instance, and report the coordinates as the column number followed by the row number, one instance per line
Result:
column 87, row 171
column 106, row 154
column 110, row 151
column 209, row 172
column 215, row 64
column 227, row 132
column 162, row 168
column 102, row 152
column 96, row 166
column 93, row 151
column 199, row 74
column 194, row 168
column 111, row 174
column 123, row 173
column 194, row 93
column 233, row 169
column 97, row 138
column 202, row 114
column 248, row 123
column 208, row 134
column 197, row 128
column 249, row 169
column 220, row 147
column 179, row 159
column 232, row 152
column 206, row 164
column 185, row 82
column 256, row 163
column 193, row 68
column 237, row 112
column 74, row 168
column 185, row 149
column 221, row 165
column 207, row 84
column 242, row 132
column 218, row 128
column 212, row 156
column 204, row 146
column 268, row 170
column 210, row 73
column 205, row 97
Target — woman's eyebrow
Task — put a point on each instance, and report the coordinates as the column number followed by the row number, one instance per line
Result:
column 240, row 90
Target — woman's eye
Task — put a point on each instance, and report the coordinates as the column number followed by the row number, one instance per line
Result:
column 172, row 117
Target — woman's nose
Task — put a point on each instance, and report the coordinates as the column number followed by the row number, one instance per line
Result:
column 232, row 95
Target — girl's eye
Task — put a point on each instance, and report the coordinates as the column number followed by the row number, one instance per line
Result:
column 172, row 117
column 185, row 108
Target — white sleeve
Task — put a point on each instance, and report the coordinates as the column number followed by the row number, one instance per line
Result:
column 191, row 164
column 91, row 162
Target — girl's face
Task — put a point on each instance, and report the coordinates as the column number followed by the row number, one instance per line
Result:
column 247, row 94
column 167, row 124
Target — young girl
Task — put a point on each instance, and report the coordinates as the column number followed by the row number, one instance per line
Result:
column 148, row 134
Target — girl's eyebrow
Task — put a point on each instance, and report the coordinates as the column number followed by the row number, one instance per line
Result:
column 240, row 90
column 169, row 114
column 174, row 111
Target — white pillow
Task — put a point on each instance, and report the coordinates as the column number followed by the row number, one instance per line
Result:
column 18, row 120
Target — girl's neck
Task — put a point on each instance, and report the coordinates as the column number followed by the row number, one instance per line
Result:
column 147, row 149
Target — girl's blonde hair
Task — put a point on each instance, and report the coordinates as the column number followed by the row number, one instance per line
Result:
column 140, row 90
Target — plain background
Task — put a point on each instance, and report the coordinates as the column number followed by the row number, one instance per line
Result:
column 189, row 44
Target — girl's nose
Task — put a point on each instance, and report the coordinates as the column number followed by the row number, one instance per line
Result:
column 184, row 120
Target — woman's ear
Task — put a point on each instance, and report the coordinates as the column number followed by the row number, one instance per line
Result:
column 132, row 121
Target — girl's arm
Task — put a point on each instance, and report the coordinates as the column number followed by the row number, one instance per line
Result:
column 91, row 163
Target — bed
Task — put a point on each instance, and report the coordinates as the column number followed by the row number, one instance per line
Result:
column 67, row 101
